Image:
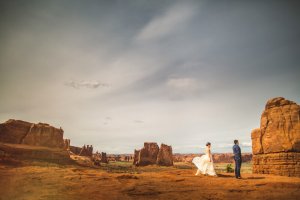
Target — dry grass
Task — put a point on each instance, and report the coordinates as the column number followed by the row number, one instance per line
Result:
column 121, row 180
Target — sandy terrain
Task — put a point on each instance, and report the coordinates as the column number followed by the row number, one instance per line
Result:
column 122, row 181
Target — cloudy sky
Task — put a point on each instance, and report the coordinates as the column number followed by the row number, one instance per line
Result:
column 117, row 73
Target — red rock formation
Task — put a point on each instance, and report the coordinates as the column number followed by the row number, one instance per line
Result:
column 86, row 150
column 104, row 157
column 165, row 156
column 136, row 156
column 120, row 157
column 20, row 132
column 75, row 150
column 247, row 157
column 276, row 144
column 96, row 158
column 225, row 158
column 184, row 157
column 25, row 152
column 67, row 144
column 117, row 158
column 44, row 135
column 148, row 154
column 111, row 158
column 13, row 131
column 228, row 157
column 126, row 158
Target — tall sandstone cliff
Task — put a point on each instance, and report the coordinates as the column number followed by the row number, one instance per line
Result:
column 41, row 134
column 276, row 144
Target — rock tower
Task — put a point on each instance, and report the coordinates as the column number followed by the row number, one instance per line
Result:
column 276, row 144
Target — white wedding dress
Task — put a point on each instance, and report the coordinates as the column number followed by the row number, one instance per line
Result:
column 203, row 164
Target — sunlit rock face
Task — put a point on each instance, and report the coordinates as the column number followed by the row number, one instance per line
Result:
column 165, row 155
column 41, row 134
column 13, row 131
column 151, row 154
column 276, row 144
column 148, row 154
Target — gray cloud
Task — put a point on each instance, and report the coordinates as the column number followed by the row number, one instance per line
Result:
column 86, row 84
column 193, row 71
column 165, row 24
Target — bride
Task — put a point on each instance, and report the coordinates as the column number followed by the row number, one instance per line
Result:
column 205, row 163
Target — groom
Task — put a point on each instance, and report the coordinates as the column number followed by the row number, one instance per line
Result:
column 237, row 158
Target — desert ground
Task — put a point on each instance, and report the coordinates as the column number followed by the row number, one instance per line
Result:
column 121, row 180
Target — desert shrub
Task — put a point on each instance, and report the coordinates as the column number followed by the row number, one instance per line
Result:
column 229, row 168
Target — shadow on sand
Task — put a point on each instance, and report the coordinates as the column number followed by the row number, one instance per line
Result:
column 255, row 177
column 232, row 176
column 225, row 176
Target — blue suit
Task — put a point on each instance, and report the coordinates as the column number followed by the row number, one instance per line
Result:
column 238, row 160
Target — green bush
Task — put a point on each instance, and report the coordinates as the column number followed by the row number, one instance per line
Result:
column 229, row 168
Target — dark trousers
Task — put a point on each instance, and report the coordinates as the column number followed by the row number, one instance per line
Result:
column 238, row 164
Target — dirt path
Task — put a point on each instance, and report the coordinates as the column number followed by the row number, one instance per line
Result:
column 71, row 182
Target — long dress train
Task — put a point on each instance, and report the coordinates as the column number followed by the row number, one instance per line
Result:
column 203, row 164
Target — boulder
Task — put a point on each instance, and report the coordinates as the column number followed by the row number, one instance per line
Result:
column 165, row 155
column 21, row 132
column 277, row 142
column 148, row 154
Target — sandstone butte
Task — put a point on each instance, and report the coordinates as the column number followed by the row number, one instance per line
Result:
column 151, row 154
column 41, row 134
column 276, row 144
column 165, row 155
column 25, row 140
